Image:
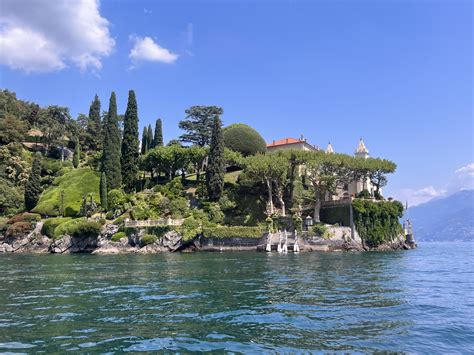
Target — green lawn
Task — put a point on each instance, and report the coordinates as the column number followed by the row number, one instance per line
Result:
column 75, row 183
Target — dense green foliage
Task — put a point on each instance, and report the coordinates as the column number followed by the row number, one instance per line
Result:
column 117, row 236
column 94, row 126
column 85, row 229
column 232, row 232
column 198, row 124
column 129, row 157
column 33, row 185
column 158, row 138
column 50, row 225
column 244, row 139
column 75, row 183
column 103, row 191
column 377, row 222
column 147, row 239
column 320, row 230
column 168, row 179
column 77, row 154
column 111, row 153
column 216, row 166
column 144, row 144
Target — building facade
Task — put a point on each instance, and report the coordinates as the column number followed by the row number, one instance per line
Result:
column 349, row 190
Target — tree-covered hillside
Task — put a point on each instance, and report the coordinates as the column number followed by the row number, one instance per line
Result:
column 94, row 165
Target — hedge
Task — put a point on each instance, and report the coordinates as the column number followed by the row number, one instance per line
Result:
column 233, row 232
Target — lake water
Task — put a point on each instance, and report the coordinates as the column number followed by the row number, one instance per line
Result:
column 419, row 301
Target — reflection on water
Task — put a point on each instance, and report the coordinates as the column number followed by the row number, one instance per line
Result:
column 414, row 301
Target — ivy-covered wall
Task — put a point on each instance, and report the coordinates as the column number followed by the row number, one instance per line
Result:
column 377, row 222
column 336, row 215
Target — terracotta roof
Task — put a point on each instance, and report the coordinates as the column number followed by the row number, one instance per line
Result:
column 285, row 141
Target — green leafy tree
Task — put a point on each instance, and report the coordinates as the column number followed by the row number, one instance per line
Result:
column 94, row 125
column 129, row 161
column 379, row 168
column 196, row 156
column 198, row 124
column 56, row 124
column 12, row 129
column 111, row 153
column 326, row 173
column 216, row 167
column 158, row 138
column 33, row 185
column 144, row 146
column 103, row 191
column 272, row 171
column 77, row 154
column 244, row 139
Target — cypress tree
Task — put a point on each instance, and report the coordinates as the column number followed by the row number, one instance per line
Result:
column 144, row 148
column 111, row 152
column 149, row 138
column 216, row 168
column 103, row 191
column 33, row 185
column 158, row 138
column 130, row 143
column 94, row 126
column 77, row 154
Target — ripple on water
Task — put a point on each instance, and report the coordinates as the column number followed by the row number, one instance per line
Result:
column 417, row 301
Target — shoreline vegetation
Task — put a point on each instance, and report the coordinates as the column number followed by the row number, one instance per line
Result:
column 80, row 185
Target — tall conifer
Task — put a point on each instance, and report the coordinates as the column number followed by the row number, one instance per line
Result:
column 94, row 125
column 76, row 158
column 158, row 138
column 111, row 152
column 103, row 191
column 216, row 167
column 144, row 147
column 149, row 138
column 33, row 185
column 129, row 161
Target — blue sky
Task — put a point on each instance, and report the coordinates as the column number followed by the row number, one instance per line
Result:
column 397, row 73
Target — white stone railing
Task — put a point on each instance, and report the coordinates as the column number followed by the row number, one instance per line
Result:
column 154, row 222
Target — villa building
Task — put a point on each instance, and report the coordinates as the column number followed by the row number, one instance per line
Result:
column 291, row 144
column 348, row 190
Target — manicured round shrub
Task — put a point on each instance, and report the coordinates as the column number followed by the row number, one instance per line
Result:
column 244, row 139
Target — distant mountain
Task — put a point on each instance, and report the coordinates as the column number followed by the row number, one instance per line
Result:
column 445, row 219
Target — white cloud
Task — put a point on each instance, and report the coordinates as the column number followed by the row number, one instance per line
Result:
column 462, row 179
column 466, row 171
column 146, row 49
column 416, row 196
column 45, row 35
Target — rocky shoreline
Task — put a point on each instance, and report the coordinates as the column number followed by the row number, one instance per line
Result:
column 340, row 240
